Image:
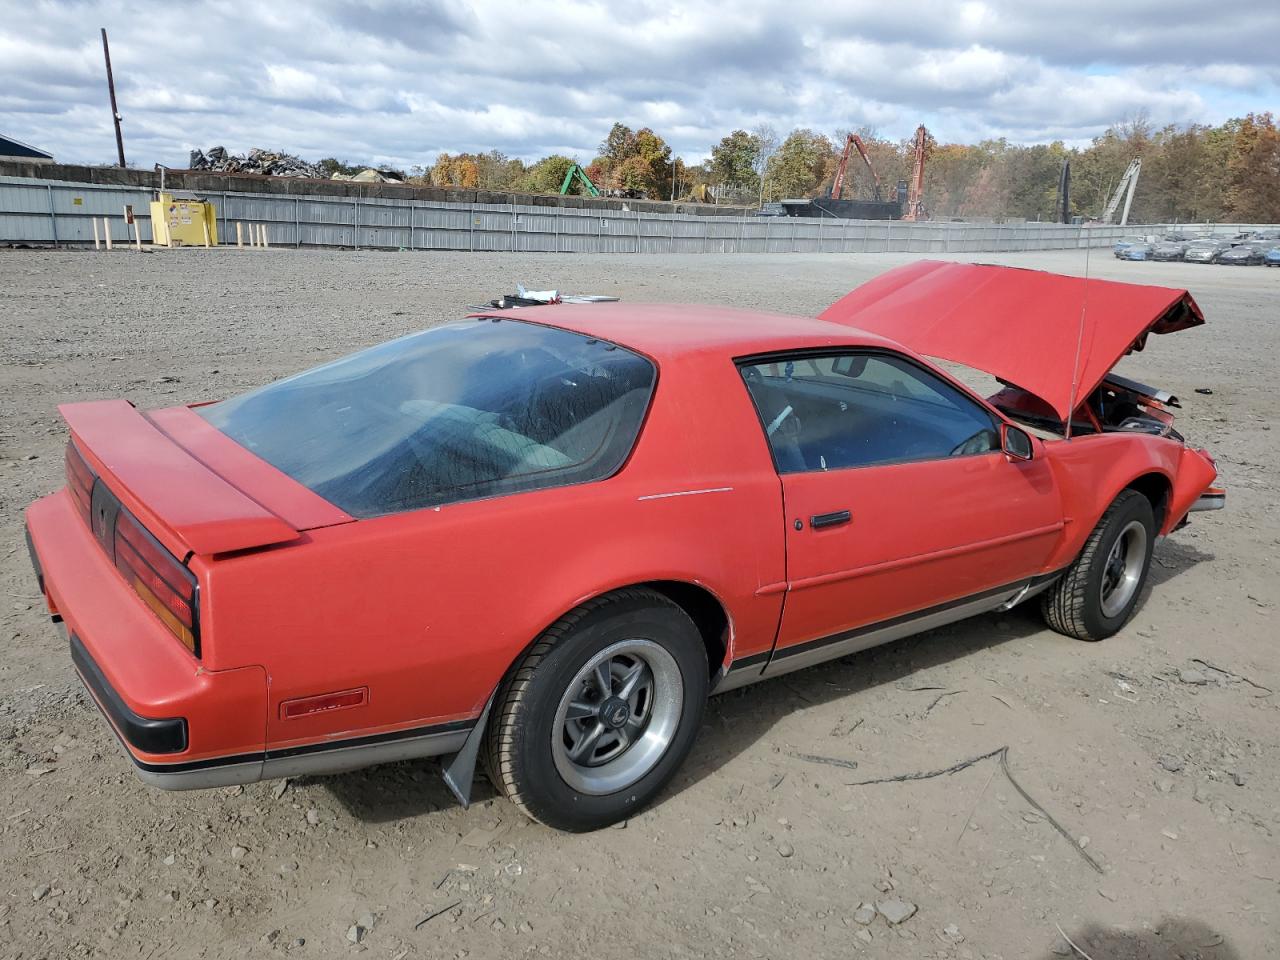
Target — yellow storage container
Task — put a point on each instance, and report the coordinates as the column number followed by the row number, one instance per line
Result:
column 183, row 223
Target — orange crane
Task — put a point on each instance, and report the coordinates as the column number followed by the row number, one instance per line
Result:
column 837, row 185
column 915, row 189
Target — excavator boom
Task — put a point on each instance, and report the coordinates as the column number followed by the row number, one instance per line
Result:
column 1124, row 190
column 581, row 174
column 853, row 142
column 915, row 189
column 862, row 152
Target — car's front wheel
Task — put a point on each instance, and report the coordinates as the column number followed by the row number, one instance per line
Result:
column 1099, row 591
column 601, row 712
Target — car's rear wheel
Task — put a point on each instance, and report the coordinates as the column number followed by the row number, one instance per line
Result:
column 600, row 713
column 1099, row 591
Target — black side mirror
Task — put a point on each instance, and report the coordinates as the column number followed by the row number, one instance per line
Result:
column 1015, row 442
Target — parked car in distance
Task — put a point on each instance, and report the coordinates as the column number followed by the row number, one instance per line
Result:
column 1245, row 254
column 1272, row 257
column 1126, row 243
column 540, row 537
column 1136, row 251
column 1205, row 251
column 1167, row 250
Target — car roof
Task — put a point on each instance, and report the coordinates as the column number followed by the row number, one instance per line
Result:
column 665, row 331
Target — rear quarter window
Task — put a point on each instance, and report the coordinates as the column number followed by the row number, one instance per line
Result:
column 471, row 409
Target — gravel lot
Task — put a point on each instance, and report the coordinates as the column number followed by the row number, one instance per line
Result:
column 1153, row 745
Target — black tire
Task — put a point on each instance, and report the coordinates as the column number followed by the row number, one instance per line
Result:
column 1074, row 606
column 518, row 749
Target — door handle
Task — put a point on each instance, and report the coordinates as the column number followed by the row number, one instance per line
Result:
column 820, row 520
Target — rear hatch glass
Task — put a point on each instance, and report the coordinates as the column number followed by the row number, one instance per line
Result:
column 475, row 408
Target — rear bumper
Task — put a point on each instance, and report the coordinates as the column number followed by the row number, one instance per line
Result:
column 181, row 724
column 144, row 734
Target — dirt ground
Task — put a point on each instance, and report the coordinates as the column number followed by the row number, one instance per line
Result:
column 1160, row 746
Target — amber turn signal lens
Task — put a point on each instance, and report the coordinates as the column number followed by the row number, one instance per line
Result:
column 164, row 584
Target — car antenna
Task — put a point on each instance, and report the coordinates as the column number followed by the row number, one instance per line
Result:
column 1075, row 367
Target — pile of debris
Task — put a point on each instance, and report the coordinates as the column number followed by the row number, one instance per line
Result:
column 370, row 175
column 266, row 162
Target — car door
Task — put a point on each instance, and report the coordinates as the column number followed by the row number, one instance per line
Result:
column 902, row 510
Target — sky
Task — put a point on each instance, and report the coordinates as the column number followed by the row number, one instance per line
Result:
column 395, row 82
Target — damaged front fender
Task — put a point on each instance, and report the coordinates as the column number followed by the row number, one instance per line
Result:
column 1192, row 483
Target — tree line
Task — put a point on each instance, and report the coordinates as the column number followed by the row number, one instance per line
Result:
column 1229, row 172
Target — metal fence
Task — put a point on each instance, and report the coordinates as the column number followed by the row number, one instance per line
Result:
column 58, row 212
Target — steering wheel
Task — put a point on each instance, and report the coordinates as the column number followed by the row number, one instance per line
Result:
column 980, row 442
column 779, row 420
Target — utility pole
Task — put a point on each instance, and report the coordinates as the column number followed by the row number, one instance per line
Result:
column 111, row 88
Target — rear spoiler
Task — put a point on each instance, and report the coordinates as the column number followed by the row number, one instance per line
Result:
column 187, row 506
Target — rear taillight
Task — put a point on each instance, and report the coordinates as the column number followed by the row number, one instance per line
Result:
column 79, row 481
column 159, row 579
column 164, row 584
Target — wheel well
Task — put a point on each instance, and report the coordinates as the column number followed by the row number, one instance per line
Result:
column 704, row 609
column 1156, row 488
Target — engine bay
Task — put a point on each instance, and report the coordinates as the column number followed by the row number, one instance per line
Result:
column 1118, row 405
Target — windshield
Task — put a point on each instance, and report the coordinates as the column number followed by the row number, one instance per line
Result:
column 475, row 408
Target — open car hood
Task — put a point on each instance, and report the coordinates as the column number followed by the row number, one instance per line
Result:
column 1023, row 326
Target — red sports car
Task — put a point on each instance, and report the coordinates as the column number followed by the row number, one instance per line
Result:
column 543, row 537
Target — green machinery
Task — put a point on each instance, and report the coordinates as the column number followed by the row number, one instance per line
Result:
column 581, row 174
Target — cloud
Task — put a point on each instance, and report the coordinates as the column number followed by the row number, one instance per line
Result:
column 397, row 81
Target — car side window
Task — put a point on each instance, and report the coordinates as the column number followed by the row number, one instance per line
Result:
column 832, row 412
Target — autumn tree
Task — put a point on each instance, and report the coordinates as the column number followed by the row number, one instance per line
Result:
column 767, row 140
column 1253, row 171
column 442, row 173
column 546, row 175
column 635, row 162
column 799, row 166
column 496, row 171
column 950, row 174
column 733, row 161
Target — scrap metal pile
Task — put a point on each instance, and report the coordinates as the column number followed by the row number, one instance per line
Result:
column 266, row 162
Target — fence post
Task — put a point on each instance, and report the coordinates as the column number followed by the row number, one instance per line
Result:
column 53, row 217
column 297, row 223
column 355, row 205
